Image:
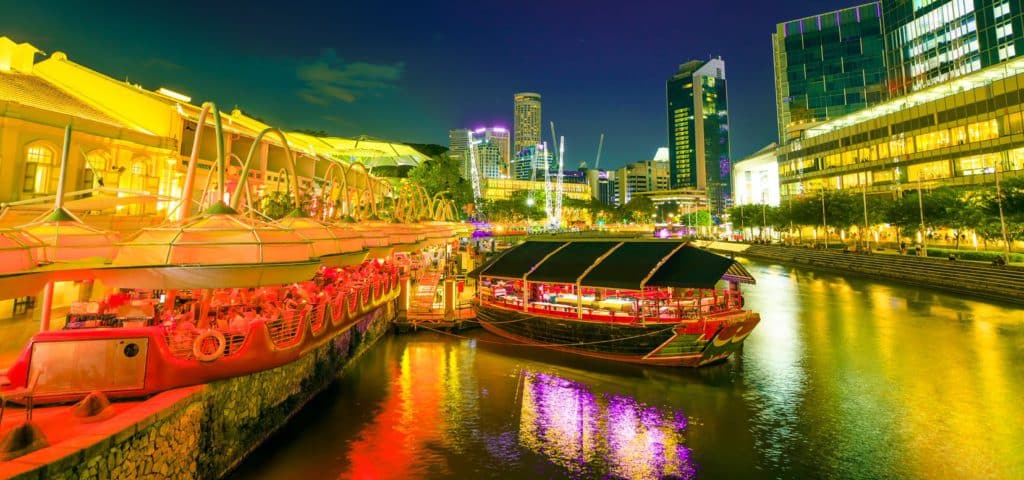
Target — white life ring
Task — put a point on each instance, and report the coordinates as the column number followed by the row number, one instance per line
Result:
column 201, row 353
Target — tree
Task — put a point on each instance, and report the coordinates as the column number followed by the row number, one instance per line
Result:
column 441, row 174
column 639, row 209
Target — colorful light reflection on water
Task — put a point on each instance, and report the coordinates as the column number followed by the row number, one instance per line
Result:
column 587, row 433
column 844, row 378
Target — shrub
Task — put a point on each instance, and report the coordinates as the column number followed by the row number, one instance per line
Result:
column 977, row 255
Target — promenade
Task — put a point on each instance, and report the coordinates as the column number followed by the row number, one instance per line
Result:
column 974, row 278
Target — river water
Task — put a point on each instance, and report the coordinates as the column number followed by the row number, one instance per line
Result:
column 843, row 378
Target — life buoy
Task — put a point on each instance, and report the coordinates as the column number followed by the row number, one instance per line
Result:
column 202, row 350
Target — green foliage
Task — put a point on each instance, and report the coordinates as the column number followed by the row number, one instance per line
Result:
column 976, row 255
column 441, row 174
column 639, row 209
column 429, row 149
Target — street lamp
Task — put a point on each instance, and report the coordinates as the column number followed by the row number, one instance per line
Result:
column 824, row 224
column 920, row 207
column 1002, row 219
column 529, row 201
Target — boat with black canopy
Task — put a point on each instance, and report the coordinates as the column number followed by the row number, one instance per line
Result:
column 657, row 302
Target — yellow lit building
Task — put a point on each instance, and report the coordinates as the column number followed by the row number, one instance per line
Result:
column 949, row 134
column 131, row 147
column 503, row 188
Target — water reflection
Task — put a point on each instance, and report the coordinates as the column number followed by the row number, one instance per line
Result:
column 843, row 378
column 586, row 433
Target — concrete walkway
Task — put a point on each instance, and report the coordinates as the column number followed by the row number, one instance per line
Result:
column 975, row 278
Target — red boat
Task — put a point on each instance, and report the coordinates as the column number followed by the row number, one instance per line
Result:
column 641, row 301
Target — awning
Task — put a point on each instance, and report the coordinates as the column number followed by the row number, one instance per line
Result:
column 620, row 264
column 569, row 262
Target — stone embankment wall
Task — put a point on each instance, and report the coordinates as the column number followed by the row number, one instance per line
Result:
column 203, row 432
column 979, row 279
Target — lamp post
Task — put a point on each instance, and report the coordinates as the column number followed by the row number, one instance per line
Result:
column 864, row 199
column 824, row 224
column 764, row 214
column 920, row 207
column 1002, row 219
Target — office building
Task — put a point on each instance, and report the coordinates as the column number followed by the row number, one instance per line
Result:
column 527, row 122
column 698, row 131
column 458, row 149
column 932, row 41
column 827, row 66
column 642, row 176
column 600, row 182
column 755, row 179
column 532, row 162
column 954, row 133
column 491, row 149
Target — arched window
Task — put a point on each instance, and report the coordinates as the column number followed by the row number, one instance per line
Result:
column 38, row 169
column 95, row 168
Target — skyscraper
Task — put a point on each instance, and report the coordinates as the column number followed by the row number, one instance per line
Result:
column 458, row 149
column 527, row 120
column 698, row 131
column 932, row 41
column 491, row 150
column 827, row 66
column 531, row 163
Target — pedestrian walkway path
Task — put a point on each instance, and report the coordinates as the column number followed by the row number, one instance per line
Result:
column 976, row 278
column 425, row 292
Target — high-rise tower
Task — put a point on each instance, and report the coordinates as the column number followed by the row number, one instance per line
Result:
column 930, row 42
column 827, row 66
column 527, row 121
column 698, row 131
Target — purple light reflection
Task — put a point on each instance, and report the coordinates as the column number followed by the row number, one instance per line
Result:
column 601, row 436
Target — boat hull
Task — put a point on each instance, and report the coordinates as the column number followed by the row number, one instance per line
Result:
column 664, row 344
column 134, row 362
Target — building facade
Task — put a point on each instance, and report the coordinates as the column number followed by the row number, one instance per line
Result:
column 698, row 131
column 954, row 133
column 532, row 162
column 827, row 66
column 458, row 148
column 755, row 179
column 642, row 176
column 527, row 122
column 933, row 41
column 503, row 189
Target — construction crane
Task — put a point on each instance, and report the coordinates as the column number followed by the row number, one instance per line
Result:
column 555, row 217
column 474, row 173
column 597, row 161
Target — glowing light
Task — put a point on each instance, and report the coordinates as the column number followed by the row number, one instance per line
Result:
column 175, row 95
column 663, row 233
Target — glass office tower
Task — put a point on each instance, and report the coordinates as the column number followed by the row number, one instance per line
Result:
column 933, row 41
column 827, row 66
column 698, row 131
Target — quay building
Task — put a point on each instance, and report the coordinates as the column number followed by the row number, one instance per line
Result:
column 130, row 147
column 950, row 113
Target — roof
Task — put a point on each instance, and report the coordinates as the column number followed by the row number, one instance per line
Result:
column 626, row 264
column 33, row 91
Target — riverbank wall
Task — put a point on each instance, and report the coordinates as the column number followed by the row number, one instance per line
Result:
column 202, row 432
column 978, row 279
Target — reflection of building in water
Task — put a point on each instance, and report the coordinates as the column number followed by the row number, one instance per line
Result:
column 580, row 431
column 430, row 389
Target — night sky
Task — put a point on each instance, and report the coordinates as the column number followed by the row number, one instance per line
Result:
column 410, row 71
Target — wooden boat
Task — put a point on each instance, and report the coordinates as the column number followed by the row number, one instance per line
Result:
column 138, row 361
column 641, row 301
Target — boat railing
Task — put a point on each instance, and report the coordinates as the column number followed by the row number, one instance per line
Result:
column 676, row 311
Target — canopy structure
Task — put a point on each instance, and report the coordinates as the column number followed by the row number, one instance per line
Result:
column 331, row 243
column 214, row 250
column 65, row 238
column 618, row 264
column 18, row 260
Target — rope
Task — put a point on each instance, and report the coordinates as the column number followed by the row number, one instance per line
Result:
column 548, row 345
